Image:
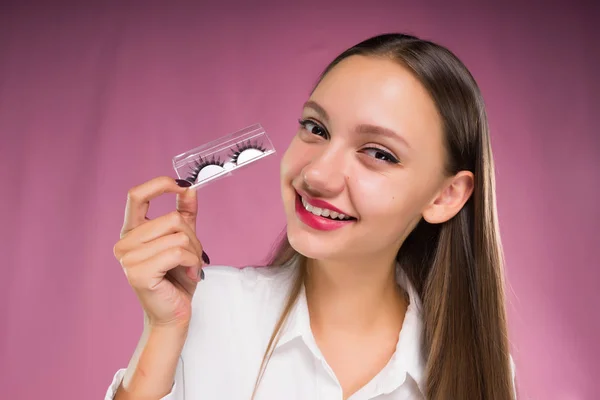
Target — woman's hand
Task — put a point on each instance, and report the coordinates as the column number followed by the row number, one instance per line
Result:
column 162, row 258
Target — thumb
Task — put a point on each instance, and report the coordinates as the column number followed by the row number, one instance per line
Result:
column 187, row 206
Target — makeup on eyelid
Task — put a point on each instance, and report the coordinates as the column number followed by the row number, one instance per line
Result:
column 220, row 157
column 381, row 153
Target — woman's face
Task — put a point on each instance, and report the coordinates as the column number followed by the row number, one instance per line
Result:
column 370, row 147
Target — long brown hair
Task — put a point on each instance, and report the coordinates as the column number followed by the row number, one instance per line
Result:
column 456, row 266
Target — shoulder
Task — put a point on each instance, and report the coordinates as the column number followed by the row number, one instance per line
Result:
column 234, row 312
column 227, row 273
column 247, row 279
column 234, row 309
column 231, row 291
column 513, row 374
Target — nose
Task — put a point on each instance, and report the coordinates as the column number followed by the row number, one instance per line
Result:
column 325, row 175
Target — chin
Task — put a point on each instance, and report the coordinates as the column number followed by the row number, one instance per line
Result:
column 315, row 246
column 308, row 247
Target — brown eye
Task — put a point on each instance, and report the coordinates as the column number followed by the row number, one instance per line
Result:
column 313, row 127
column 382, row 155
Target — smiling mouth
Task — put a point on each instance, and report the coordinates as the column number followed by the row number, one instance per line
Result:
column 324, row 212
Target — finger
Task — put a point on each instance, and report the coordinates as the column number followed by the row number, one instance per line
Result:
column 187, row 205
column 148, row 274
column 154, row 247
column 186, row 277
column 164, row 225
column 138, row 200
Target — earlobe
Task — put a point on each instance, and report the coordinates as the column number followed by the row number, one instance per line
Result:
column 451, row 199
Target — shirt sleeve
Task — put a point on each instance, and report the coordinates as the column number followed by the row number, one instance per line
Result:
column 118, row 378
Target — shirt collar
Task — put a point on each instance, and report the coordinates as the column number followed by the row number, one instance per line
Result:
column 406, row 360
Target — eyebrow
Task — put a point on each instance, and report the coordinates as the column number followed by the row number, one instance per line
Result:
column 316, row 107
column 362, row 128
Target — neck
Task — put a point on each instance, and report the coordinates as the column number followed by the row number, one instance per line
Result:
column 354, row 297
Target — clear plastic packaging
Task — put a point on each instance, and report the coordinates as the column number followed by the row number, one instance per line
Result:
column 222, row 156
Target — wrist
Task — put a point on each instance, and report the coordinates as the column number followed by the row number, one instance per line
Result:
column 173, row 331
column 169, row 328
column 154, row 374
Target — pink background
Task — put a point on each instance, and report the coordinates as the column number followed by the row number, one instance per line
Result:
column 97, row 98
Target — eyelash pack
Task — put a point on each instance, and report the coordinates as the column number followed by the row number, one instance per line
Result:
column 222, row 156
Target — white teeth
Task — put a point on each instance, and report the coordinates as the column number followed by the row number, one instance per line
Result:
column 323, row 211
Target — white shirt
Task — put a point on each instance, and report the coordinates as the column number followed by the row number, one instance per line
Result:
column 234, row 312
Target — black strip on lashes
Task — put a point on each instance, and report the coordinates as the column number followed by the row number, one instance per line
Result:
column 201, row 163
column 240, row 148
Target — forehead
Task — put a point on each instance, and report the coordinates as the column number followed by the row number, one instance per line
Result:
column 378, row 91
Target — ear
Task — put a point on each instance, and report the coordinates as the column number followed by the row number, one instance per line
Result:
column 449, row 201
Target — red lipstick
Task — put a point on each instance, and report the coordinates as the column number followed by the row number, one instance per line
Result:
column 318, row 222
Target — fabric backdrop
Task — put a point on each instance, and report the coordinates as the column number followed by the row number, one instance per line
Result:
column 97, row 98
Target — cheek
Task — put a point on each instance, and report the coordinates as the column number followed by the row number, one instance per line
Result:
column 295, row 158
column 389, row 200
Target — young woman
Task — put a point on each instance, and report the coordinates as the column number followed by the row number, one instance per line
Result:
column 388, row 283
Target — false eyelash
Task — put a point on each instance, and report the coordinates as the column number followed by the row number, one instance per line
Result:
column 240, row 148
column 200, row 164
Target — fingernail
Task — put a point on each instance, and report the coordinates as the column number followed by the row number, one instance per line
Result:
column 183, row 183
column 205, row 257
column 201, row 274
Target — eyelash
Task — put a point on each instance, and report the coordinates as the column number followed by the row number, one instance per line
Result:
column 305, row 122
column 388, row 158
column 200, row 164
column 239, row 149
column 203, row 162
